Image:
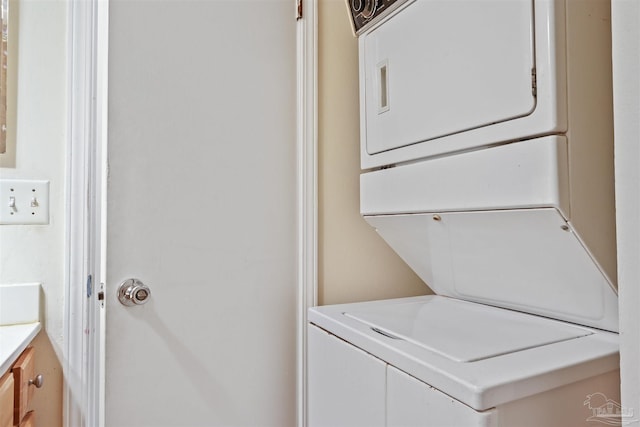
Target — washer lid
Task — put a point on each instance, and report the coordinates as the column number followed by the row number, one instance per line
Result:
column 464, row 331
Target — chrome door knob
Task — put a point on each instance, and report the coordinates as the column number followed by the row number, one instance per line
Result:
column 133, row 292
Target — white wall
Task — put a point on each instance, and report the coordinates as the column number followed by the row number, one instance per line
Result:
column 36, row 253
column 626, row 76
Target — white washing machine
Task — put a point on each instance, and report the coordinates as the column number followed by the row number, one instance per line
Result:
column 437, row 361
column 487, row 156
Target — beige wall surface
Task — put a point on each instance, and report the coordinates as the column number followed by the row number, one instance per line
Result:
column 355, row 264
column 35, row 253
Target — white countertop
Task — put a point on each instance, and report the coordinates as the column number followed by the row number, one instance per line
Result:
column 13, row 340
column 19, row 320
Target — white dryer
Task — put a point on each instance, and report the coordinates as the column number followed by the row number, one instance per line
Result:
column 487, row 156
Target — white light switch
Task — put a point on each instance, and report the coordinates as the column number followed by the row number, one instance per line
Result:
column 24, row 201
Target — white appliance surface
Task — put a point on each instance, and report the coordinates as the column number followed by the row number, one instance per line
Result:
column 490, row 196
column 526, row 174
column 479, row 76
column 474, row 332
column 446, row 76
column 514, row 212
column 523, row 259
column 480, row 355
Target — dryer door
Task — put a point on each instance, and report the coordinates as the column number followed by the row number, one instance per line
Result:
column 442, row 67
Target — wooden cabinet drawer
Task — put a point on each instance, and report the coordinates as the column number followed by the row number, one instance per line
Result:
column 6, row 400
column 29, row 420
column 23, row 370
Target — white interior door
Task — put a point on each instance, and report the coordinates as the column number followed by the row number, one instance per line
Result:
column 201, row 208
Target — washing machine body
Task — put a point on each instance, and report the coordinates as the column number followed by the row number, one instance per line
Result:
column 438, row 361
column 487, row 153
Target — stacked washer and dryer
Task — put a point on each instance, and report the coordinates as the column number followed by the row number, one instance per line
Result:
column 487, row 157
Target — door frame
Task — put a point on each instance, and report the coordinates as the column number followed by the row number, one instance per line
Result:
column 83, row 390
column 86, row 202
column 307, row 188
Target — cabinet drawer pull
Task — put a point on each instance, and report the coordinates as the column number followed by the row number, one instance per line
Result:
column 38, row 381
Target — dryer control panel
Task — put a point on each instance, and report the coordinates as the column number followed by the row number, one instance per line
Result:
column 365, row 13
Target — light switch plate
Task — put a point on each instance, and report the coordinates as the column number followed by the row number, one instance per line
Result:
column 24, row 201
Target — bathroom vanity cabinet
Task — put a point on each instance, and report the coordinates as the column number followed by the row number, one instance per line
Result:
column 19, row 326
column 6, row 400
column 17, row 388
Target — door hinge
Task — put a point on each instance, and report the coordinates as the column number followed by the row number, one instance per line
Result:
column 298, row 10
column 534, row 82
